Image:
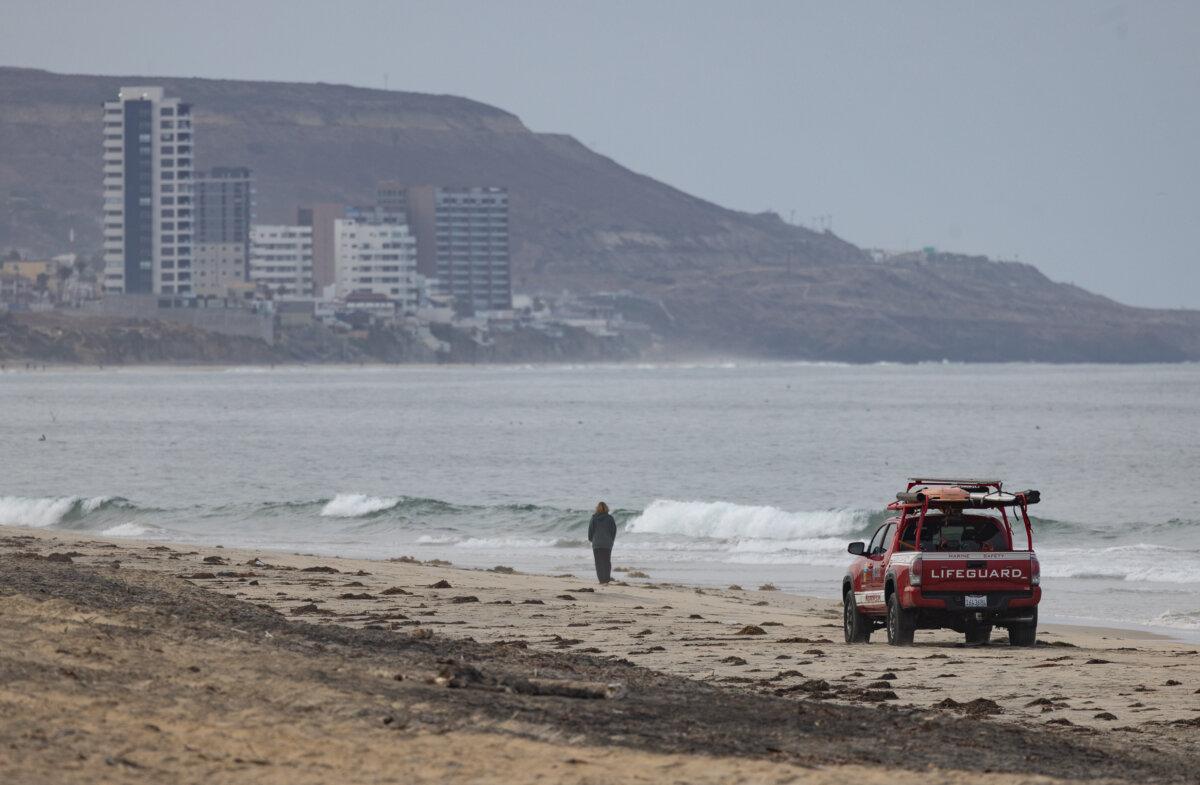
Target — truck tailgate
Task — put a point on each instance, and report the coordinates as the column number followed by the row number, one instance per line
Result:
column 982, row 572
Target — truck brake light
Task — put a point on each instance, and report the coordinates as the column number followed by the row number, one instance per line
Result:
column 1035, row 572
column 914, row 573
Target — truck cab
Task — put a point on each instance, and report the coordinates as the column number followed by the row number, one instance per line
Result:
column 946, row 558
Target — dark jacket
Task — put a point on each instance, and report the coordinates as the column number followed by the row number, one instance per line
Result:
column 602, row 531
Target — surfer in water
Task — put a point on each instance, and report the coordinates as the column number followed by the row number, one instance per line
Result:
column 602, row 533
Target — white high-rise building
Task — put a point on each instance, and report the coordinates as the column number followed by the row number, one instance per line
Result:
column 380, row 258
column 147, row 193
column 281, row 259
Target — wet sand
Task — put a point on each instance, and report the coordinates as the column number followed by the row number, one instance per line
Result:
column 123, row 660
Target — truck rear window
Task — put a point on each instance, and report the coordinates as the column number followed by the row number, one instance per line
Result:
column 956, row 533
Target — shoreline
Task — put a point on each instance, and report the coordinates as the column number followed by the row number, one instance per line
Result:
column 182, row 663
column 705, row 362
column 1090, row 632
column 1110, row 629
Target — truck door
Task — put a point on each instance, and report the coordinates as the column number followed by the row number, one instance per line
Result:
column 877, row 551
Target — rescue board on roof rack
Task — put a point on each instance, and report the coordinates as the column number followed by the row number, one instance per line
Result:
column 948, row 495
column 972, row 484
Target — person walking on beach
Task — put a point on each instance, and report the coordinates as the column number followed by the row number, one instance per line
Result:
column 602, row 533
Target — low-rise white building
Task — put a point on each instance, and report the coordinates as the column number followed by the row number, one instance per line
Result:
column 377, row 258
column 281, row 259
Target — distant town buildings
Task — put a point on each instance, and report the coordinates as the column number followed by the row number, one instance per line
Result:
column 148, row 211
column 462, row 240
column 224, row 207
column 281, row 260
column 377, row 258
column 183, row 245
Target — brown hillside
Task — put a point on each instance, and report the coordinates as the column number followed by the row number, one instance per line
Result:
column 734, row 282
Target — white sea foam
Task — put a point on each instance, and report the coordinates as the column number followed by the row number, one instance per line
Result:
column 727, row 521
column 1182, row 620
column 500, row 543
column 44, row 511
column 356, row 505
column 824, row 551
column 1133, row 562
column 429, row 539
column 132, row 530
column 788, row 558
column 490, row 543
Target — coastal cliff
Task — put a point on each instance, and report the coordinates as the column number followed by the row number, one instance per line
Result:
column 96, row 340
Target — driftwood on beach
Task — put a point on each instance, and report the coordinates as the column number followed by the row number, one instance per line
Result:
column 463, row 676
column 568, row 688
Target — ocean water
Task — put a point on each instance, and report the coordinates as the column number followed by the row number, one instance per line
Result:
column 724, row 473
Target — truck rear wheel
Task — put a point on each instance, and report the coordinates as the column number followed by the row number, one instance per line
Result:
column 856, row 626
column 979, row 634
column 1025, row 633
column 900, row 623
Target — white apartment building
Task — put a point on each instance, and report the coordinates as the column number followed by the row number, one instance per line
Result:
column 147, row 193
column 281, row 259
column 378, row 258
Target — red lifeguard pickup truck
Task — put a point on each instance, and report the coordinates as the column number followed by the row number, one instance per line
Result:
column 946, row 559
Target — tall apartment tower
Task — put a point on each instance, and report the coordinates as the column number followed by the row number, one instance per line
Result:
column 462, row 240
column 224, row 207
column 148, row 226
column 472, row 247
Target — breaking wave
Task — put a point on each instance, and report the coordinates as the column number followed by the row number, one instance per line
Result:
column 728, row 521
column 42, row 512
column 356, row 505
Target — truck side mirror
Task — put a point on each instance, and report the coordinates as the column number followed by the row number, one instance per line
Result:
column 856, row 548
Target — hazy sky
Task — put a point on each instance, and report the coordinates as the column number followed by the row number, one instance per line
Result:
column 1065, row 134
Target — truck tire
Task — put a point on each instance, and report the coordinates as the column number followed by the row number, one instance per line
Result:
column 900, row 623
column 1024, row 634
column 979, row 634
column 855, row 625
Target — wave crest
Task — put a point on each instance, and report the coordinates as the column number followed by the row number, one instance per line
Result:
column 728, row 521
column 41, row 512
column 357, row 505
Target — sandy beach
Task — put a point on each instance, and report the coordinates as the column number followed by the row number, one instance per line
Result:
column 125, row 660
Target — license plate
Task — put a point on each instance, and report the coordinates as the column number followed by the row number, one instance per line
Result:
column 975, row 601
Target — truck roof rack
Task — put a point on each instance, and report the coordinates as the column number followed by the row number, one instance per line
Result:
column 960, row 496
column 960, row 482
